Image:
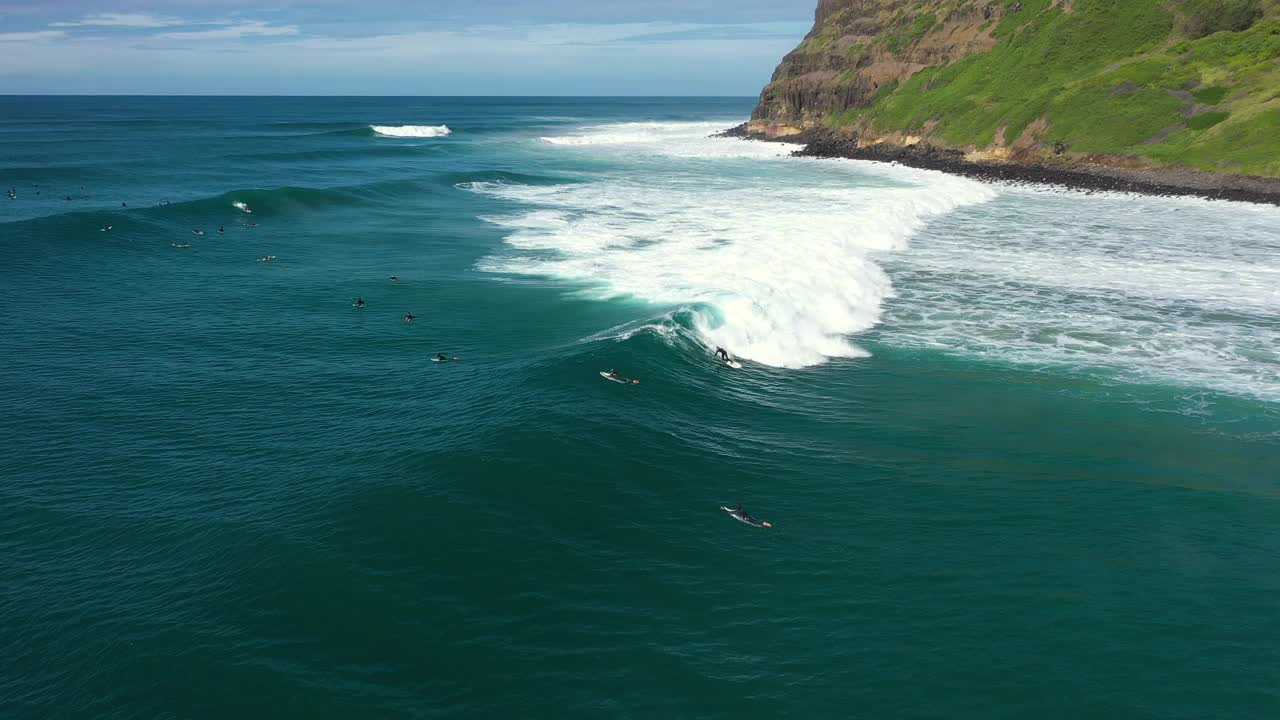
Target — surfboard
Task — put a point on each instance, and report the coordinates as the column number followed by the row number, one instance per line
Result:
column 733, row 364
column 604, row 374
column 755, row 523
column 436, row 359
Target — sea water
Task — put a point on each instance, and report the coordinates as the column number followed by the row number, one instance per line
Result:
column 1020, row 445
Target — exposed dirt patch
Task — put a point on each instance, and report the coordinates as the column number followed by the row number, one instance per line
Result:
column 1127, row 87
column 1190, row 106
column 1164, row 134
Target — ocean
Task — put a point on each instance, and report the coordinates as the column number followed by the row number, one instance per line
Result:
column 1020, row 446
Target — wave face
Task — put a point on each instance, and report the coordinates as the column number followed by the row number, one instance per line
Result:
column 781, row 273
column 411, row 131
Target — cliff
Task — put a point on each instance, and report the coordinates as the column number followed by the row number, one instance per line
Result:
column 1126, row 84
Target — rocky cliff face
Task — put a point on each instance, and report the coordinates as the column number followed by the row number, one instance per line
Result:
column 858, row 47
column 1131, row 83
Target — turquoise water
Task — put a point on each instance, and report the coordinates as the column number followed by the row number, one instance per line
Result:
column 1019, row 445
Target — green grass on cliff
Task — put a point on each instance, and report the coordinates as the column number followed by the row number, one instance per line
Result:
column 1127, row 77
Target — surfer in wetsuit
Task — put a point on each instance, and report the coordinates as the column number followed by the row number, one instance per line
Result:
column 441, row 357
column 359, row 301
column 408, row 317
column 221, row 230
column 721, row 354
column 743, row 514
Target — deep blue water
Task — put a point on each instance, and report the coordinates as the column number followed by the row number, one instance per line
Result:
column 1019, row 445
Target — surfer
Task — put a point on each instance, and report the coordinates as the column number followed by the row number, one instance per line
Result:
column 394, row 278
column 221, row 230
column 747, row 517
column 441, row 357
column 106, row 228
column 408, row 317
column 359, row 302
column 721, row 354
column 197, row 232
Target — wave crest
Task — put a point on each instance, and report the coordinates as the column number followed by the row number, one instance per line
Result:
column 411, row 131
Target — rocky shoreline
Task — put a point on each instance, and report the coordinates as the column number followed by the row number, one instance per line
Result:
column 1071, row 174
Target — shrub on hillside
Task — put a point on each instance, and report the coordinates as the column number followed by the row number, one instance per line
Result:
column 1206, row 17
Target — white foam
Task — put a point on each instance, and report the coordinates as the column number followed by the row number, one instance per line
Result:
column 670, row 139
column 779, row 260
column 778, row 269
column 1175, row 290
column 412, row 131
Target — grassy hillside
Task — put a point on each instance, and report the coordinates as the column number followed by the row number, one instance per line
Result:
column 1194, row 82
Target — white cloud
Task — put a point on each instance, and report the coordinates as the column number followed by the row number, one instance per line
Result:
column 234, row 32
column 127, row 20
column 528, row 59
column 37, row 36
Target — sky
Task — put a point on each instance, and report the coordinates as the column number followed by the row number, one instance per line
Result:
column 396, row 47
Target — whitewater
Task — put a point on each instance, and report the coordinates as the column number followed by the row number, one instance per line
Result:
column 411, row 131
column 787, row 262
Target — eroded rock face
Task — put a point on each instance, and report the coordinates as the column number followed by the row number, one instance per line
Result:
column 858, row 47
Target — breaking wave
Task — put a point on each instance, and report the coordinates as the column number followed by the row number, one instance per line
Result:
column 781, row 273
column 411, row 131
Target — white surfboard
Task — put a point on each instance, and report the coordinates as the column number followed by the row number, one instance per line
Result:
column 604, row 374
